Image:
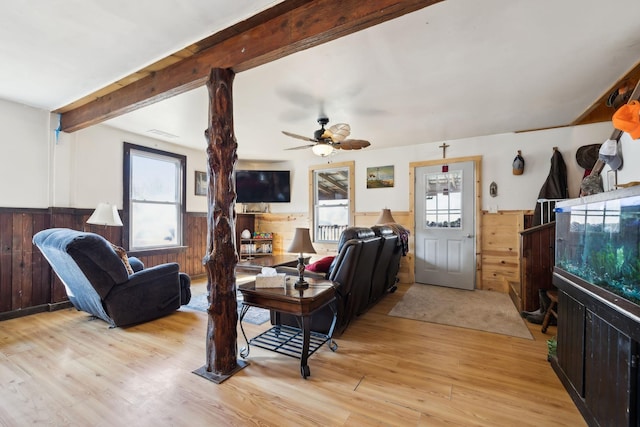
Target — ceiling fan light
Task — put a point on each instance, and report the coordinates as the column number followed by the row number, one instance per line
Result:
column 322, row 150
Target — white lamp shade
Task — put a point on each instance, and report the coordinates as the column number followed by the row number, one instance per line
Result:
column 385, row 217
column 301, row 242
column 321, row 149
column 105, row 214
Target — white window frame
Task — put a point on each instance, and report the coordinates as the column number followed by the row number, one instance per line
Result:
column 318, row 236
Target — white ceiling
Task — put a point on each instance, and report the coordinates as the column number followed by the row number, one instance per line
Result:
column 456, row 69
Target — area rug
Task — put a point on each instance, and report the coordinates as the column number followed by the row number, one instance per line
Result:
column 255, row 315
column 487, row 311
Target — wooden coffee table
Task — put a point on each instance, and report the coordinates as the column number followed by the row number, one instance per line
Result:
column 295, row 342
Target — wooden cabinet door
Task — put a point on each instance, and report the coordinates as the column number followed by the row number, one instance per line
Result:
column 571, row 315
column 607, row 372
column 537, row 258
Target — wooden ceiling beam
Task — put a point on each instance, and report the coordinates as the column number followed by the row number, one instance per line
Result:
column 289, row 27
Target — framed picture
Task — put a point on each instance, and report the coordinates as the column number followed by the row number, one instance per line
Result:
column 201, row 183
column 380, row 177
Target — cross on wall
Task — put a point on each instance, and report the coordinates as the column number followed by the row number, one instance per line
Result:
column 444, row 147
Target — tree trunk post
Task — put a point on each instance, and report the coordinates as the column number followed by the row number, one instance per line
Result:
column 221, row 257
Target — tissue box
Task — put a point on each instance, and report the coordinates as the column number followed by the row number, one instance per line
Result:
column 277, row 281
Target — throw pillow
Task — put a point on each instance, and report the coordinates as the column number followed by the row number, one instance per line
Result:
column 322, row 265
column 123, row 256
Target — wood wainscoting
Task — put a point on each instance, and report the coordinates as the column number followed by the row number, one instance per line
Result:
column 500, row 249
column 27, row 283
column 284, row 225
column 502, row 260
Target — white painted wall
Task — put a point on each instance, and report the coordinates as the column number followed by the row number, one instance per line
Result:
column 498, row 151
column 81, row 169
column 24, row 156
column 97, row 166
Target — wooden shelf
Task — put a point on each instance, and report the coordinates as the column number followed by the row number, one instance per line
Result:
column 251, row 248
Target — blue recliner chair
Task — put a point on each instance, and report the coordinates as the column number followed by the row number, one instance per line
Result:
column 97, row 281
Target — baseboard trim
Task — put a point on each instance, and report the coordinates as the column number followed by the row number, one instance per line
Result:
column 35, row 310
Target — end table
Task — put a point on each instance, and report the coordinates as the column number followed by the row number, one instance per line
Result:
column 295, row 342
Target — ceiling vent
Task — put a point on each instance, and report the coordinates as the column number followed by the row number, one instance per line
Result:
column 162, row 133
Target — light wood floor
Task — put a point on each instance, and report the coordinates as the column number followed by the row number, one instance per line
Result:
column 61, row 368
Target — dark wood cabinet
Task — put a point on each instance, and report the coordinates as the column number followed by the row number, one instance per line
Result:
column 597, row 352
column 607, row 370
column 537, row 257
column 570, row 332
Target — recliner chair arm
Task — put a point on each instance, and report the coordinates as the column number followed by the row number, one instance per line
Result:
column 154, row 273
column 136, row 264
column 147, row 295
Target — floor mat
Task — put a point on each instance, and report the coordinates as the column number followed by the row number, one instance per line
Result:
column 488, row 311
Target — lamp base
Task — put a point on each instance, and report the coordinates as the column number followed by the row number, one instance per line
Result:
column 301, row 284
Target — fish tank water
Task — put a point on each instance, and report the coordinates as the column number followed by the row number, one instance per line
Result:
column 598, row 240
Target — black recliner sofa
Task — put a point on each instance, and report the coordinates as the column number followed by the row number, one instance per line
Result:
column 385, row 270
column 97, row 281
column 363, row 271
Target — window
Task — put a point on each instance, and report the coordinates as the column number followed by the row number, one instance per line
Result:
column 154, row 197
column 443, row 200
column 332, row 195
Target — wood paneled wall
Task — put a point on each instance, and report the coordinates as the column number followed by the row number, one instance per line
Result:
column 500, row 249
column 25, row 279
column 27, row 283
column 284, row 225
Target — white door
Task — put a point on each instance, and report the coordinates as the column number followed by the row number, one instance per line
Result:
column 445, row 225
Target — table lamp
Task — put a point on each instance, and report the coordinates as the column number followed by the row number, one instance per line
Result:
column 302, row 244
column 385, row 217
column 105, row 214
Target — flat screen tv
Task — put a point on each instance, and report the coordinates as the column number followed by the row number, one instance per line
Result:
column 263, row 186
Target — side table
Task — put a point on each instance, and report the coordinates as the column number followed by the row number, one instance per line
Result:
column 295, row 342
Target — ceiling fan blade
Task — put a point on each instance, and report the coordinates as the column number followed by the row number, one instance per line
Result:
column 338, row 132
column 301, row 147
column 351, row 144
column 304, row 138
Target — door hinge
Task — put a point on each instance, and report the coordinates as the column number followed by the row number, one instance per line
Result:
column 634, row 360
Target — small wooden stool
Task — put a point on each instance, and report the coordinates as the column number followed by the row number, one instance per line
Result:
column 553, row 306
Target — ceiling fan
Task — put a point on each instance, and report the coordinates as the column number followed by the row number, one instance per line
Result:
column 325, row 141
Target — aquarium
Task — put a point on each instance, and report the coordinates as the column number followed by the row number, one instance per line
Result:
column 598, row 238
